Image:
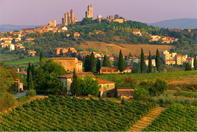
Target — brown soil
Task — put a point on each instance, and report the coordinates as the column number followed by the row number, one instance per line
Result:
column 126, row 48
column 147, row 120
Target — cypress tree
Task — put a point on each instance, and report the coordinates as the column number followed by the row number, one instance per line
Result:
column 98, row 65
column 120, row 62
column 31, row 86
column 106, row 62
column 195, row 62
column 158, row 61
column 41, row 58
column 87, row 64
column 74, row 85
column 188, row 67
column 150, row 62
column 33, row 70
column 142, row 64
column 28, row 70
column 92, row 63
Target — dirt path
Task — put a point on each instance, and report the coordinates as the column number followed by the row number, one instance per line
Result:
column 147, row 120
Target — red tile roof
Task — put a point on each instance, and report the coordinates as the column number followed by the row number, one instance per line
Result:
column 101, row 81
column 179, row 55
column 170, row 60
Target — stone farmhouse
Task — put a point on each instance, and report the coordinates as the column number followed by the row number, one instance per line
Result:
column 153, row 62
column 107, row 88
column 31, row 52
column 57, row 51
column 18, row 86
column 69, row 63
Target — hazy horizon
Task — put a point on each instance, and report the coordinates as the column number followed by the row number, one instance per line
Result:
column 26, row 12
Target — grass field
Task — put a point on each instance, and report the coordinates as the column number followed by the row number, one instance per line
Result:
column 126, row 48
column 176, row 118
column 57, row 113
column 124, row 78
column 24, row 61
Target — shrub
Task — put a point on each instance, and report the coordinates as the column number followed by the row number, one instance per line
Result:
column 7, row 100
column 178, row 89
column 31, row 93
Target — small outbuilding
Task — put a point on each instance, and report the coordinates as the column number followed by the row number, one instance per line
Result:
column 125, row 93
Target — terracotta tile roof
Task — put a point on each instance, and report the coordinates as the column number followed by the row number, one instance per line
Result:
column 125, row 89
column 190, row 58
column 63, row 58
column 78, row 74
column 80, row 61
column 17, row 79
column 101, row 81
column 179, row 55
column 109, row 68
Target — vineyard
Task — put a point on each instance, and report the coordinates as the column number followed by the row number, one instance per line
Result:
column 177, row 118
column 119, row 77
column 186, row 94
column 58, row 113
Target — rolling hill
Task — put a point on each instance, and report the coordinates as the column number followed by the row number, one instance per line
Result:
column 184, row 23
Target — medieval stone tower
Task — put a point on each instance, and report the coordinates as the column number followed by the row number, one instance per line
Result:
column 89, row 12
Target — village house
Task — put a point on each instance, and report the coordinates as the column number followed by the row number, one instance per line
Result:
column 31, row 52
column 58, row 50
column 18, row 86
column 76, row 35
column 170, row 62
column 147, row 61
column 190, row 60
column 137, row 33
column 154, row 38
column 180, row 59
column 107, row 88
column 114, row 69
column 69, row 63
column 125, row 93
column 19, row 46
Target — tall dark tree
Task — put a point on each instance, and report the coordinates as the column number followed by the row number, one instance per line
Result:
column 92, row 63
column 142, row 64
column 28, row 70
column 87, row 63
column 31, row 86
column 195, row 62
column 121, row 62
column 33, row 70
column 150, row 62
column 106, row 62
column 41, row 58
column 98, row 65
column 188, row 67
column 158, row 61
column 74, row 85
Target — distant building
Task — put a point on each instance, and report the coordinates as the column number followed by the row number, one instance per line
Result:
column 69, row 63
column 107, row 88
column 89, row 12
column 31, row 52
column 190, row 60
column 125, row 93
column 76, row 35
column 147, row 61
column 137, row 33
column 52, row 23
column 69, row 18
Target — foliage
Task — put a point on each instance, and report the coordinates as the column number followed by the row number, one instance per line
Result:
column 184, row 116
column 82, row 115
column 142, row 61
column 120, row 62
column 150, row 62
column 92, row 63
column 31, row 93
column 188, row 67
column 79, row 49
column 7, row 100
column 87, row 63
column 6, row 78
column 46, row 77
column 106, row 62
column 158, row 87
column 186, row 94
column 158, row 61
column 22, row 99
column 25, row 61
column 88, row 85
column 98, row 65
column 140, row 94
column 74, row 85
column 30, row 81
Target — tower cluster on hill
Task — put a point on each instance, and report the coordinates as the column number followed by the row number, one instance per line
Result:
column 69, row 18
column 89, row 12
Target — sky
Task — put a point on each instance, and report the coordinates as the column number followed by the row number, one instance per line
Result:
column 39, row 12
